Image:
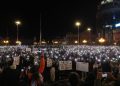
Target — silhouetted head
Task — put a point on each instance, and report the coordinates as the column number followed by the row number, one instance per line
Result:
column 74, row 79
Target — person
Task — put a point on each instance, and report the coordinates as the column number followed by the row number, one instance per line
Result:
column 75, row 79
column 110, row 80
column 23, row 78
column 10, row 77
column 90, row 79
column 52, row 73
column 36, row 79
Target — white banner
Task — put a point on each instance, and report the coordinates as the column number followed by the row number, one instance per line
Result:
column 65, row 65
column 82, row 66
column 49, row 62
column 28, row 49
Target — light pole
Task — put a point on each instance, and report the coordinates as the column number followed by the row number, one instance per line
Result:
column 78, row 25
column 17, row 23
column 110, row 33
column 89, row 30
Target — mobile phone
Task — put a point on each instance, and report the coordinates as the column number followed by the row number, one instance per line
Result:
column 22, row 70
column 104, row 75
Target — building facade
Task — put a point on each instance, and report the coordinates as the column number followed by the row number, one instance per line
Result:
column 108, row 16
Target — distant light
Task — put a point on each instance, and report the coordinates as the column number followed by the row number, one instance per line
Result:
column 84, row 41
column 56, row 42
column 76, row 42
column 99, row 60
column 6, row 41
column 76, row 59
column 17, row 22
column 101, row 40
column 108, row 25
column 88, row 29
column 115, row 43
column 117, row 25
column 106, row 1
column 77, row 23
column 18, row 42
column 43, row 42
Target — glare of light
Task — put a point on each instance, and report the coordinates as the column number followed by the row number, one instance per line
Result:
column 7, row 56
column 78, row 24
column 108, row 26
column 43, row 42
column 108, row 57
column 84, row 41
column 56, row 57
column 89, row 29
column 56, row 42
column 101, row 40
column 115, row 43
column 6, row 41
column 99, row 60
column 18, row 42
column 76, row 59
column 75, row 42
column 17, row 22
column 117, row 25
column 36, row 63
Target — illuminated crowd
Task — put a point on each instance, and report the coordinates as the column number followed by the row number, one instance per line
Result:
column 27, row 58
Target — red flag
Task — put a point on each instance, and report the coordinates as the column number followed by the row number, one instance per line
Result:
column 42, row 63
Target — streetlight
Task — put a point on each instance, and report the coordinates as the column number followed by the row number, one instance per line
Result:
column 78, row 25
column 101, row 40
column 75, row 42
column 84, row 41
column 89, row 30
column 18, row 42
column 17, row 23
column 6, row 42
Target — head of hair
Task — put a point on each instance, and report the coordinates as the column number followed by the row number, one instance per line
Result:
column 74, row 79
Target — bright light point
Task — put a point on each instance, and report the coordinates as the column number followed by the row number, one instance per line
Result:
column 76, row 59
column 77, row 23
column 84, row 41
column 76, row 42
column 6, row 41
column 115, row 43
column 101, row 40
column 56, row 42
column 117, row 25
column 7, row 56
column 56, row 57
column 18, row 42
column 17, row 22
column 89, row 29
column 108, row 26
column 99, row 60
column 43, row 42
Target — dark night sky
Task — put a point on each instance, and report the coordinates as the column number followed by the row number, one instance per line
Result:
column 58, row 18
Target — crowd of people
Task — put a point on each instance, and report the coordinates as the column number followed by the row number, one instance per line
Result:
column 21, row 65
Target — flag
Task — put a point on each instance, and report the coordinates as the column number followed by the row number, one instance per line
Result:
column 42, row 63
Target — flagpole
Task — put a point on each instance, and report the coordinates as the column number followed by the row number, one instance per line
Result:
column 40, row 30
